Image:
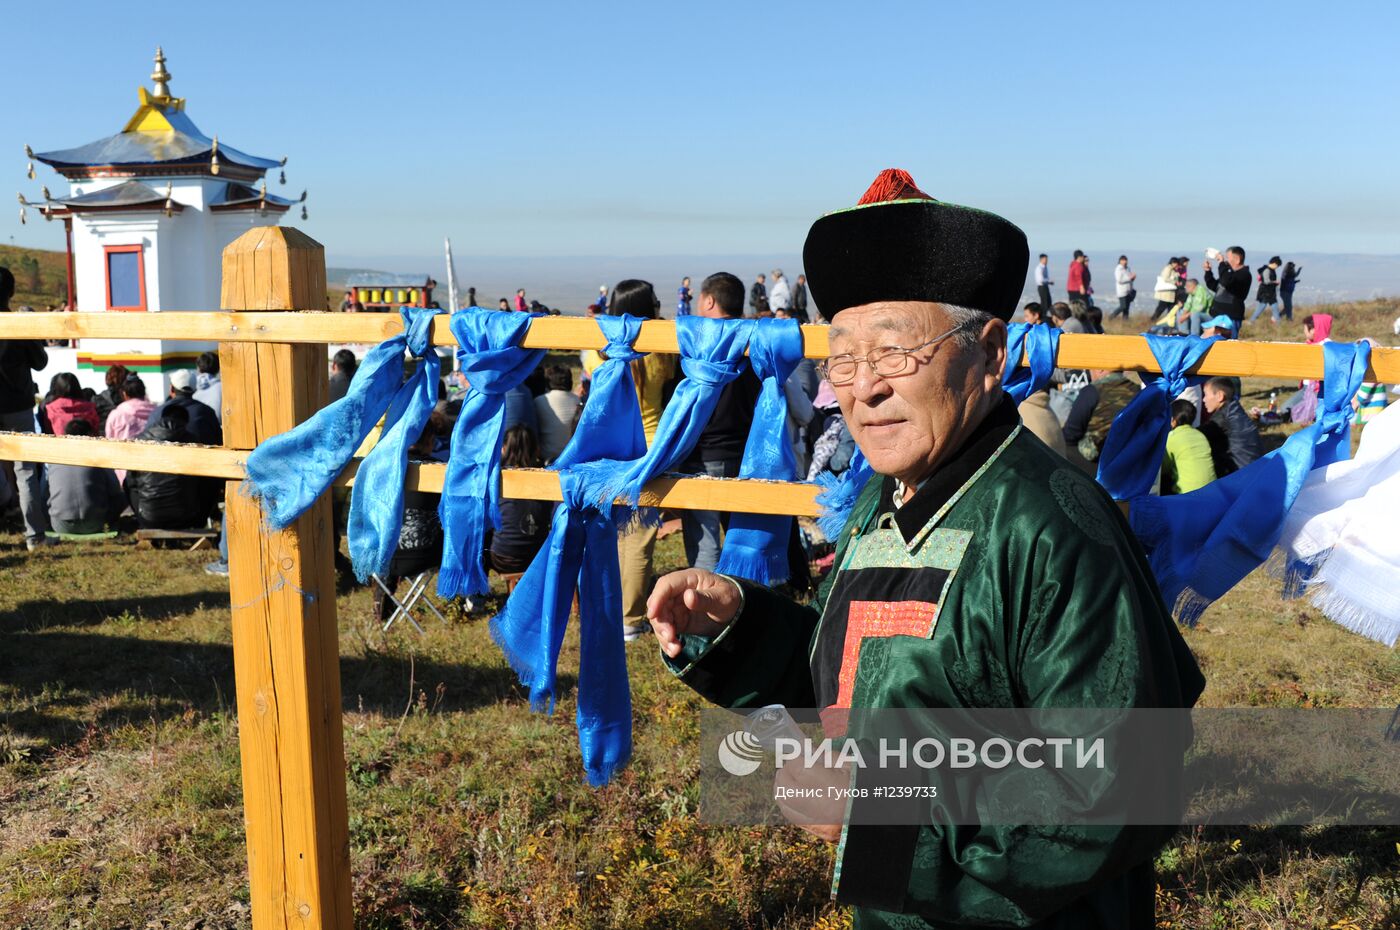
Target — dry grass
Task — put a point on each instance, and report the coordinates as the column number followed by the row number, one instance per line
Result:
column 120, row 803
column 120, row 795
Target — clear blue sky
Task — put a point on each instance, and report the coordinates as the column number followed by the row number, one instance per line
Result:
column 706, row 128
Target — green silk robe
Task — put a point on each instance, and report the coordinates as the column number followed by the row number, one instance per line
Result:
column 1010, row 580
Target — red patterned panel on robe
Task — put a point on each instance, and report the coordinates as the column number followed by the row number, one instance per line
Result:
column 868, row 619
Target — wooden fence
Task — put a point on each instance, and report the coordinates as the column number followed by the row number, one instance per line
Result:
column 282, row 585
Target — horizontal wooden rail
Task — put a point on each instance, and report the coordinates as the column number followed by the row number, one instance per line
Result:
column 1124, row 353
column 728, row 494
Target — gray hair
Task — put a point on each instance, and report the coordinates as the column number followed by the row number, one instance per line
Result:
column 968, row 322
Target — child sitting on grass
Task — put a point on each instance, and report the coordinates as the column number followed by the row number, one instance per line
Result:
column 1187, row 464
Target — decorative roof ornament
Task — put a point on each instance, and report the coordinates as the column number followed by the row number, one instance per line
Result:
column 161, row 77
column 282, row 177
column 158, row 140
column 169, row 198
column 29, row 153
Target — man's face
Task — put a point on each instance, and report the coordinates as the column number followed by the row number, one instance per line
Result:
column 907, row 424
column 1044, row 260
column 761, row 279
column 1234, row 259
column 1191, row 287
column 1213, row 398
column 1123, row 262
column 1032, row 316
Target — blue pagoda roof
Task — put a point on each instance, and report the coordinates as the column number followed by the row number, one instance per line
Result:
column 135, row 149
column 126, row 194
column 159, row 137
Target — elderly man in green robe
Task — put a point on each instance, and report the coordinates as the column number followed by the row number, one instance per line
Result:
column 978, row 569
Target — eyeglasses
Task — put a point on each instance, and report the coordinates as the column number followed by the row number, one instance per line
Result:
column 885, row 361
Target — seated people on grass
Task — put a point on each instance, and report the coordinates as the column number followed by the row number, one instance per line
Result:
column 1187, row 463
column 209, row 390
column 108, row 399
column 171, row 502
column 556, row 410
column 67, row 401
column 83, row 499
column 1095, row 406
column 1234, row 437
column 420, row 536
column 343, row 367
column 524, row 523
column 202, row 422
column 1196, row 309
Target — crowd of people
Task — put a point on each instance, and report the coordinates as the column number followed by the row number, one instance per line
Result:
column 1212, row 434
column 540, row 417
column 56, row 501
column 1182, row 304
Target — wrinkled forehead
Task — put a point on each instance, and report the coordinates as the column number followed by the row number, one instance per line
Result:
column 887, row 323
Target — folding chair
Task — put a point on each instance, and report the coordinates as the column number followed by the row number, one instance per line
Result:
column 417, row 592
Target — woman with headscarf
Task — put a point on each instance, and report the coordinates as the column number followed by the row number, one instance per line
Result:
column 1302, row 406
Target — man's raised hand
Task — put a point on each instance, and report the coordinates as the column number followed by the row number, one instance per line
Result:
column 691, row 601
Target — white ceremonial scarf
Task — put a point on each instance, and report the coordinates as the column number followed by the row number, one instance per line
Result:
column 1342, row 538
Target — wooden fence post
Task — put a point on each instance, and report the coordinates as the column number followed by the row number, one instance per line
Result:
column 282, row 588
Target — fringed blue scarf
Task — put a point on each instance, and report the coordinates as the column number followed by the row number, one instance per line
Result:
column 1040, row 342
column 289, row 471
column 530, row 627
column 840, row 494
column 712, row 355
column 490, row 357
column 1202, row 544
column 755, row 545
column 1132, row 451
column 376, row 501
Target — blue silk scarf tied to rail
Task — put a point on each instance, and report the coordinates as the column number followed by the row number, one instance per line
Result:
column 1039, row 343
column 1132, row 451
column 840, row 493
column 376, row 502
column 289, row 471
column 712, row 355
column 580, row 554
column 1202, row 544
column 755, row 545
column 490, row 357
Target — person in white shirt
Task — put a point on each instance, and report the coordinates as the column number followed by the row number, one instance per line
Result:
column 780, row 293
column 1123, row 278
column 1043, row 282
column 556, row 409
column 208, row 389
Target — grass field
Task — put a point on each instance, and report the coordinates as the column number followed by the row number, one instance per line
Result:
column 120, row 803
column 120, row 798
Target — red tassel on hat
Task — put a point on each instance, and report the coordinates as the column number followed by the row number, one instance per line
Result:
column 892, row 184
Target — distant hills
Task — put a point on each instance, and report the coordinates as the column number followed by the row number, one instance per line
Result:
column 571, row 282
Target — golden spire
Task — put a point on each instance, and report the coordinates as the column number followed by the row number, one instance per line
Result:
column 161, row 77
